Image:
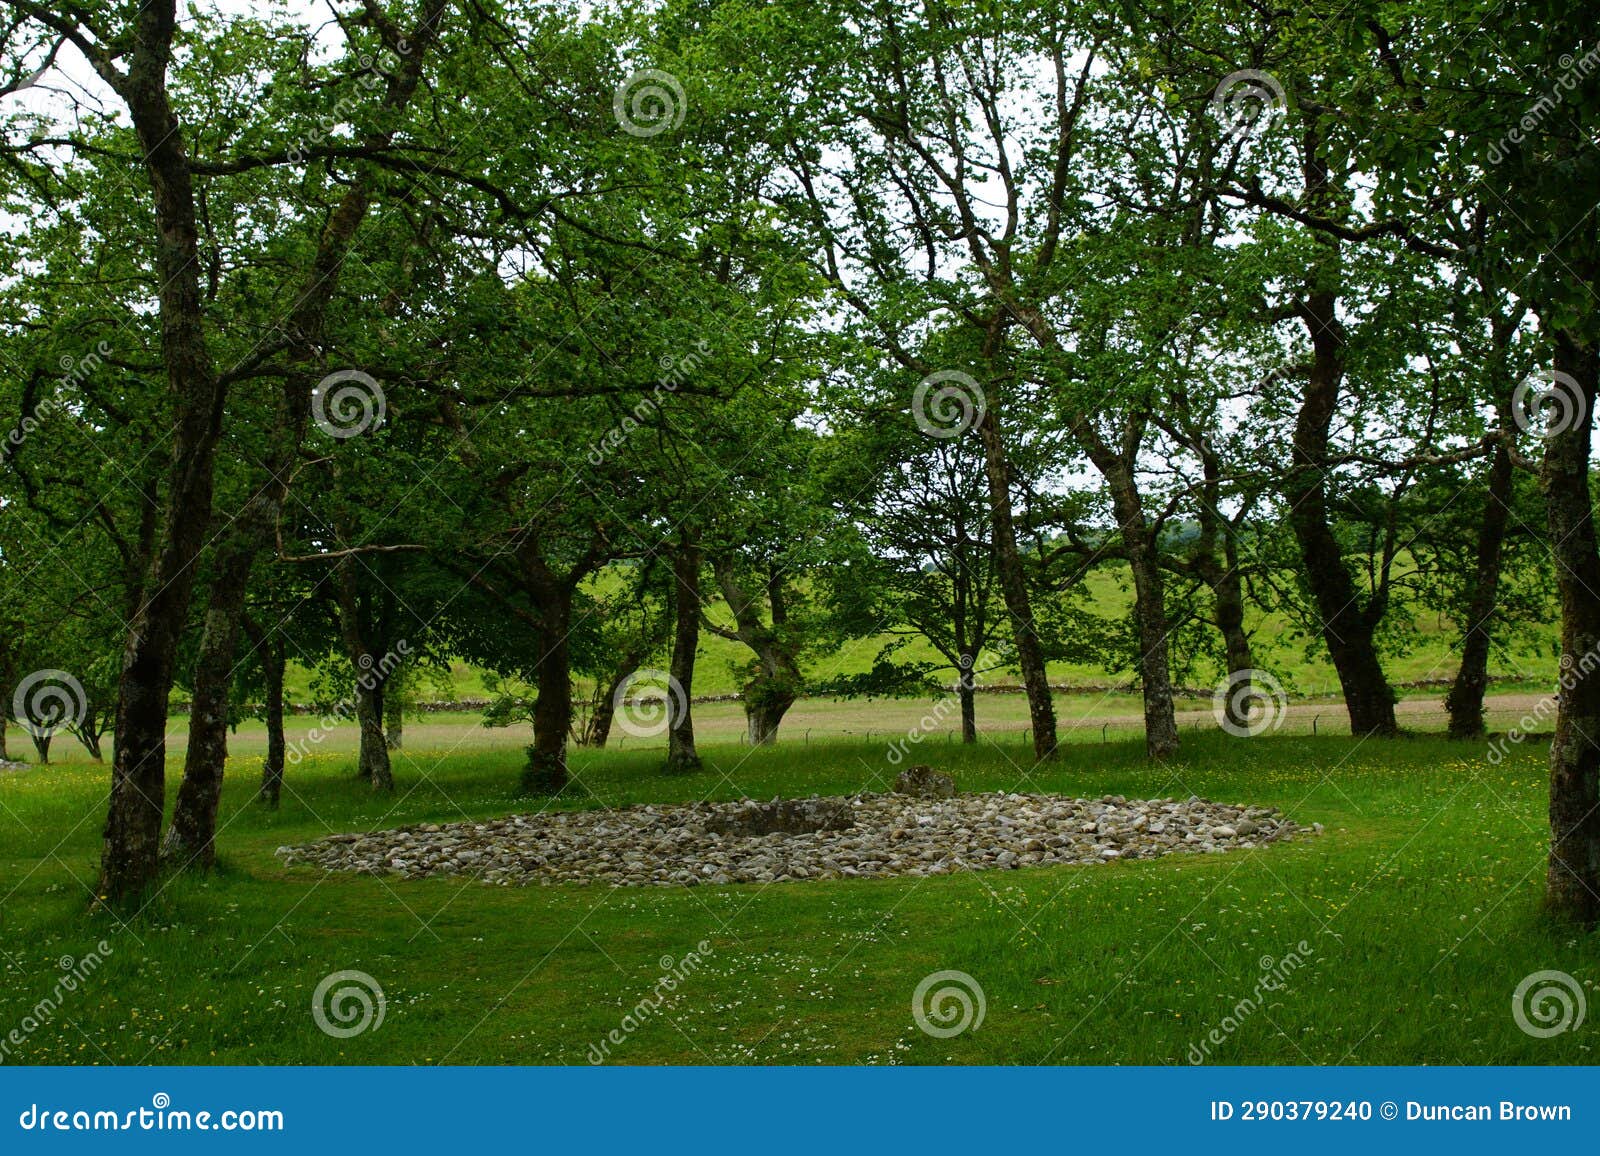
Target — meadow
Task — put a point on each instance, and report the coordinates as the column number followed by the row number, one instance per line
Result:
column 1408, row 922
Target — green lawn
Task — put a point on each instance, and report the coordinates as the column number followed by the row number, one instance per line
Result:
column 1418, row 906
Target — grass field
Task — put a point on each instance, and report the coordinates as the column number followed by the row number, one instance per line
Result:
column 1413, row 918
column 1428, row 654
column 1097, row 718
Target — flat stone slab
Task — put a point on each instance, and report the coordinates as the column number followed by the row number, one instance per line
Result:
column 684, row 844
column 782, row 817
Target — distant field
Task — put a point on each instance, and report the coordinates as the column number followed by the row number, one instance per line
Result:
column 1002, row 720
column 1430, row 656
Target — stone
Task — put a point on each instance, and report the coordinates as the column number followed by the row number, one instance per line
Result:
column 784, row 817
column 792, row 840
column 923, row 782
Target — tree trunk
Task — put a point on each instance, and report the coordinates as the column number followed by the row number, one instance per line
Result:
column 1149, row 609
column 1572, row 885
column 274, row 659
column 1014, row 588
column 89, row 735
column 966, row 688
column 546, row 772
column 394, row 715
column 371, row 672
column 772, row 690
column 130, row 860
column 1465, row 700
column 190, row 838
column 1221, row 576
column 8, row 674
column 1349, row 623
column 765, row 705
column 598, row 732
column 1227, row 594
column 373, row 762
column 131, row 857
column 681, row 753
column 41, row 744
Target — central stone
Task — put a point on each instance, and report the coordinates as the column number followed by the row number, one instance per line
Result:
column 784, row 817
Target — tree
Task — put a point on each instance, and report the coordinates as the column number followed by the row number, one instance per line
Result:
column 927, row 570
column 132, row 55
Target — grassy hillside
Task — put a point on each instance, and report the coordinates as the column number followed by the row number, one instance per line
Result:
column 1429, row 655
